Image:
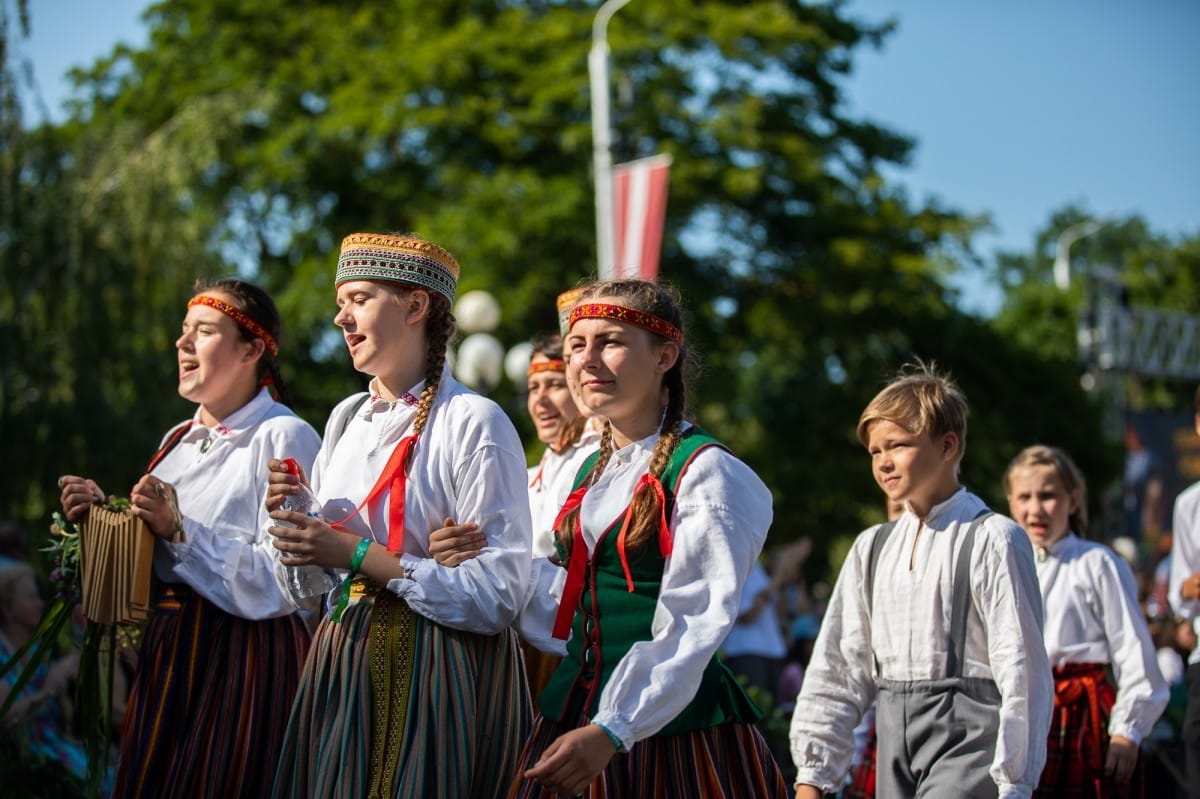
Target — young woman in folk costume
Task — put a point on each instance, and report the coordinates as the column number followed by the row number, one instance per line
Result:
column 223, row 649
column 657, row 539
column 414, row 686
column 564, row 431
column 570, row 438
column 1093, row 623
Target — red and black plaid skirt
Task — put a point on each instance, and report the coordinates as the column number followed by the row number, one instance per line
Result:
column 1078, row 743
column 862, row 782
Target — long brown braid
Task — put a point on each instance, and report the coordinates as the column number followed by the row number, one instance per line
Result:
column 256, row 303
column 439, row 329
column 661, row 301
column 571, row 433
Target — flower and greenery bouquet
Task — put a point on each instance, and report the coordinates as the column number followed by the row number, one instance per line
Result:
column 98, row 650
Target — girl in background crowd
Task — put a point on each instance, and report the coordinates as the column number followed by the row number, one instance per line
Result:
column 569, row 440
column 1092, row 621
column 563, row 429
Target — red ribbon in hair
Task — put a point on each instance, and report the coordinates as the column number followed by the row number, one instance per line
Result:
column 664, row 535
column 577, row 560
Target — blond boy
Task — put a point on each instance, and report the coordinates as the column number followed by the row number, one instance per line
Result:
column 938, row 617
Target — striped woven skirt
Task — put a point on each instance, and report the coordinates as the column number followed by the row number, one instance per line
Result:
column 1078, row 743
column 730, row 761
column 539, row 666
column 204, row 714
column 392, row 704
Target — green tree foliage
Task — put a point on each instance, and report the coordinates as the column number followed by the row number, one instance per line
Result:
column 254, row 136
column 96, row 262
column 1124, row 263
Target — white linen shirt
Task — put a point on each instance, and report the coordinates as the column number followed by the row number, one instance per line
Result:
column 1092, row 616
column 718, row 526
column 467, row 465
column 220, row 478
column 550, row 482
column 1185, row 558
column 910, row 635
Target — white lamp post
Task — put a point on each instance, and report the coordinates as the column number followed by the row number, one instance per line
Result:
column 516, row 363
column 601, row 139
column 1062, row 257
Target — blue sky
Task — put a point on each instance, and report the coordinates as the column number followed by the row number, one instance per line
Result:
column 1018, row 107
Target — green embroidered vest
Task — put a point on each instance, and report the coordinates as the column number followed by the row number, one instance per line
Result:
column 610, row 619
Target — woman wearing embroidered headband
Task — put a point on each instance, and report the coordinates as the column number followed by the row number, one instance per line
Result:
column 569, row 440
column 565, row 431
column 414, row 687
column 223, row 649
column 1094, row 623
column 655, row 560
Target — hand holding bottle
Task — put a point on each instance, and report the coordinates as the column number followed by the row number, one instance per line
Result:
column 288, row 490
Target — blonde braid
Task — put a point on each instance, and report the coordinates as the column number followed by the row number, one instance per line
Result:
column 439, row 328
column 565, row 535
column 644, row 525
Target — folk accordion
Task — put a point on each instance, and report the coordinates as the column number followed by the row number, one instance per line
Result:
column 116, row 553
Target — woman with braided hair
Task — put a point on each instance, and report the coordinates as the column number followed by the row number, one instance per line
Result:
column 414, row 684
column 223, row 648
column 657, row 540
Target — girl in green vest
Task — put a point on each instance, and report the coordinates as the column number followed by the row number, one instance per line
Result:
column 653, row 548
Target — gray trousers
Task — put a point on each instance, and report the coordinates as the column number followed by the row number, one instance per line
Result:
column 936, row 738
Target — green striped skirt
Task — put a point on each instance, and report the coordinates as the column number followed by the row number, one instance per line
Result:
column 392, row 704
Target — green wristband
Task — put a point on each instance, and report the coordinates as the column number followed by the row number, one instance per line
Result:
column 615, row 740
column 359, row 554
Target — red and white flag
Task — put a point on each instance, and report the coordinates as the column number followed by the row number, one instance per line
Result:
column 639, row 212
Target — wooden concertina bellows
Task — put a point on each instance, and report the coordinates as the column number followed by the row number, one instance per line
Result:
column 116, row 552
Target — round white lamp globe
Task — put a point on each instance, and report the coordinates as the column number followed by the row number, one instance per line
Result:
column 477, row 312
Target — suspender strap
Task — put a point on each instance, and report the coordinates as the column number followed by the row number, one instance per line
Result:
column 962, row 598
column 881, row 535
column 172, row 441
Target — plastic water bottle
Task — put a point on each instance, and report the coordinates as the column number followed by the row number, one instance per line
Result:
column 303, row 502
column 305, row 581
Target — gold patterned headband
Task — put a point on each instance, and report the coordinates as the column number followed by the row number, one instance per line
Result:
column 239, row 316
column 619, row 313
column 565, row 302
column 549, row 365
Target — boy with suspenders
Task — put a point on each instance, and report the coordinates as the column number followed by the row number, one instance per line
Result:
column 938, row 616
